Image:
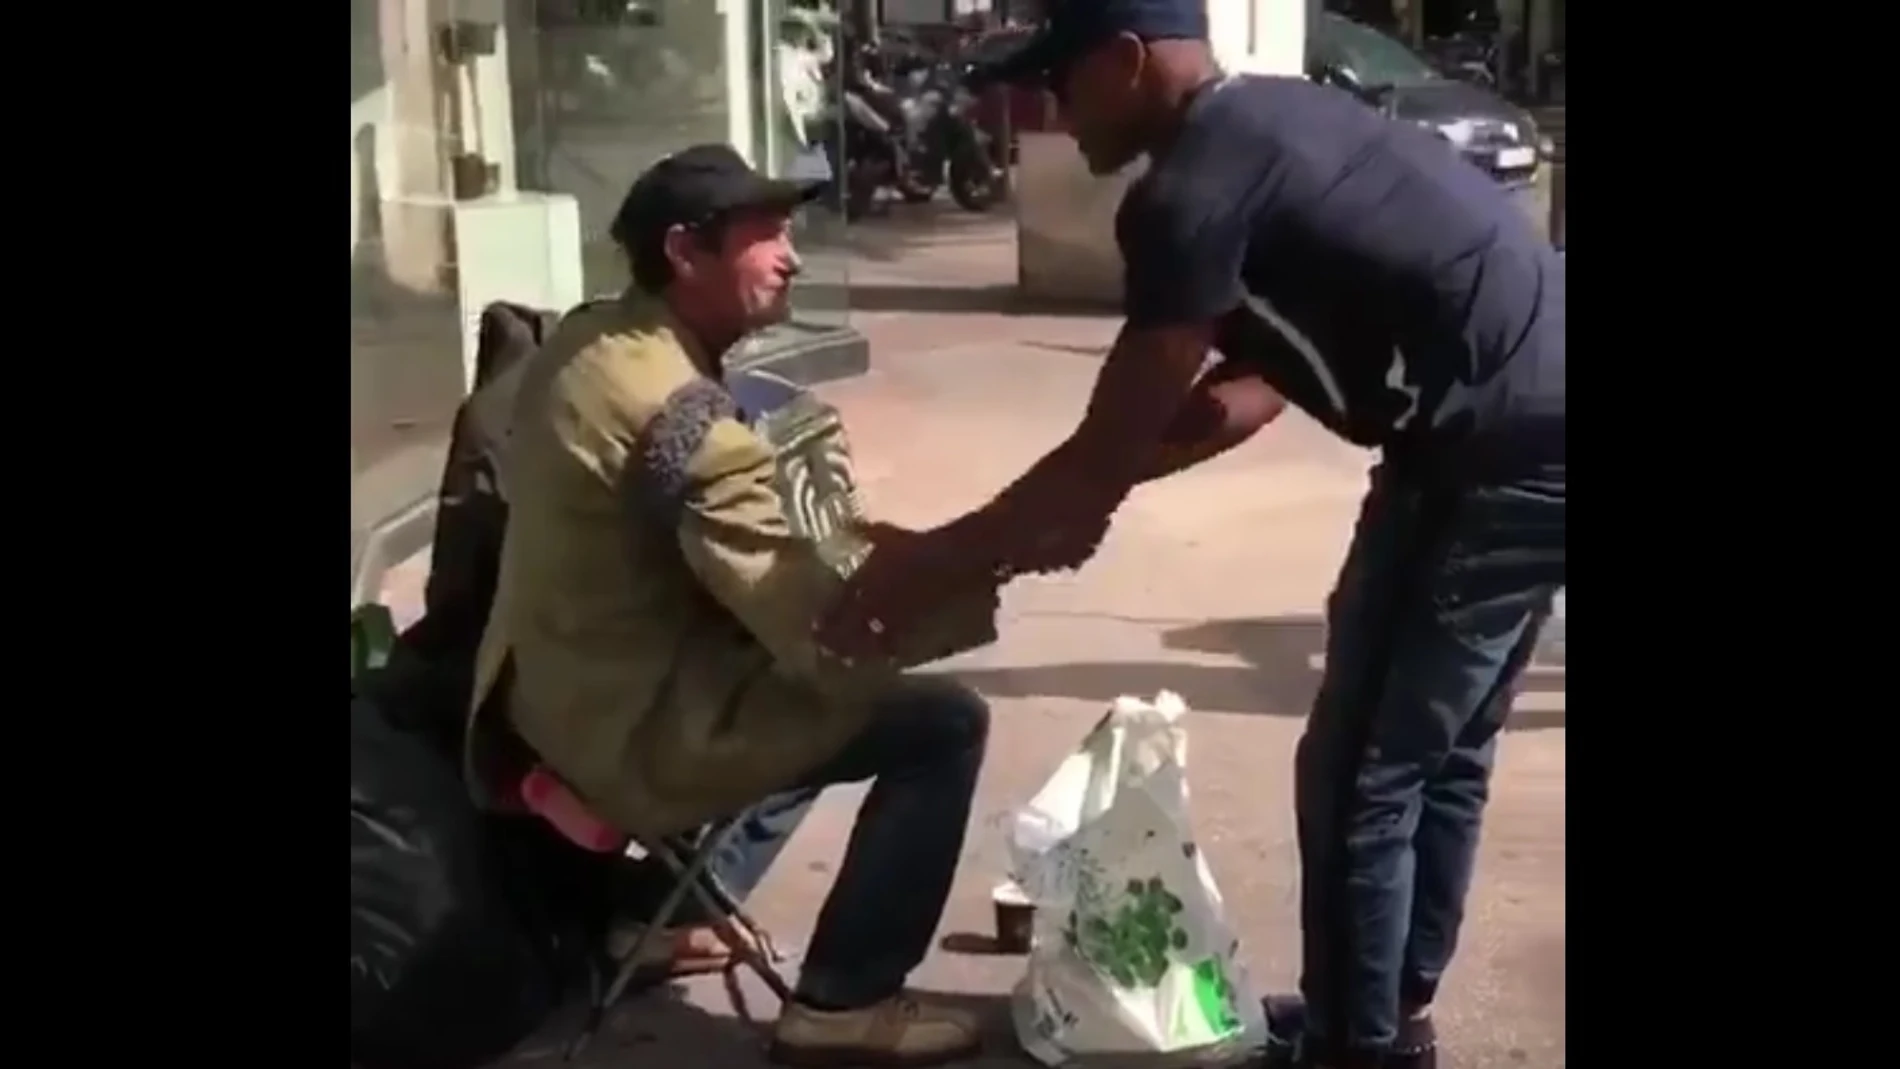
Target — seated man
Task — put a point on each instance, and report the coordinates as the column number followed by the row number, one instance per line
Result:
column 651, row 638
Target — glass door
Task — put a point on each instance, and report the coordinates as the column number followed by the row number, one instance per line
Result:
column 794, row 117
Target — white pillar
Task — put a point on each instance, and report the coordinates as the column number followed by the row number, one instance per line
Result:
column 1258, row 36
column 742, row 88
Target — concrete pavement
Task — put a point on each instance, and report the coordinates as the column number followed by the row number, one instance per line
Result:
column 1210, row 584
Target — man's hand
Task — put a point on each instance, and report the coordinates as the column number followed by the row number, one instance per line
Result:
column 887, row 593
column 1064, row 548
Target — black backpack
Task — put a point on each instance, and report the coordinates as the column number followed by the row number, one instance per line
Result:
column 426, row 684
column 466, row 928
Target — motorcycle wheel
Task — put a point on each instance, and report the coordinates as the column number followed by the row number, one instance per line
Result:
column 975, row 183
column 917, row 185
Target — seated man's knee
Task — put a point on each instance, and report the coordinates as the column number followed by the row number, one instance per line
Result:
column 958, row 718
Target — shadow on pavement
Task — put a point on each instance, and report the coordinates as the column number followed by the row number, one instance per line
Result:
column 665, row 1028
column 976, row 945
column 1280, row 678
column 653, row 1027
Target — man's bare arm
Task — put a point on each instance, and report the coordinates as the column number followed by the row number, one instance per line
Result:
column 1182, row 255
column 1143, row 382
column 1227, row 407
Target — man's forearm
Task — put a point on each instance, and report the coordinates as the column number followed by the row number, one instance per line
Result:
column 1068, row 485
column 1080, row 483
column 1179, row 456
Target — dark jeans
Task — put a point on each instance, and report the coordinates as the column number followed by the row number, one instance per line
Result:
column 921, row 752
column 1432, row 622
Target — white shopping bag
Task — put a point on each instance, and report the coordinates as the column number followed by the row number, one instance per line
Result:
column 1133, row 961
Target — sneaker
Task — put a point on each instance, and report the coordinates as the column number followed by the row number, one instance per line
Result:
column 898, row 1033
column 1417, row 1046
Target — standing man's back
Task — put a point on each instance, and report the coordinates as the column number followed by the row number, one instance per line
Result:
column 1385, row 284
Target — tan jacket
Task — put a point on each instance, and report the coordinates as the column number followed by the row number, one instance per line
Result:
column 655, row 604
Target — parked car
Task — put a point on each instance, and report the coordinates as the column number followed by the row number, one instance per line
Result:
column 1488, row 130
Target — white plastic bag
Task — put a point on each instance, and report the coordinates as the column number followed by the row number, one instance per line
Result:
column 1133, row 961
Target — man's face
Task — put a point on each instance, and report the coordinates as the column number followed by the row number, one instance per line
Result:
column 1101, row 102
column 746, row 276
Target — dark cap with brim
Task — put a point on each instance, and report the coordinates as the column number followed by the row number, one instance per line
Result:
column 696, row 185
column 1073, row 27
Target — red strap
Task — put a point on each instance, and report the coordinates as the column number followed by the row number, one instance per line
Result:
column 543, row 793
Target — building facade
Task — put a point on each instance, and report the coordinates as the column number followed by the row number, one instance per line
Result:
column 490, row 143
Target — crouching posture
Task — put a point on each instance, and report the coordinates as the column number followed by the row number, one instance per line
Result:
column 651, row 640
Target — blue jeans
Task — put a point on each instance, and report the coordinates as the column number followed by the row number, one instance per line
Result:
column 1432, row 622
column 749, row 851
column 740, row 865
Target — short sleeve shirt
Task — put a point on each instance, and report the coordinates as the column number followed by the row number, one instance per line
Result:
column 1379, row 281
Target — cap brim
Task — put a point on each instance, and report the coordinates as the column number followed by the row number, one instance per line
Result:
column 1033, row 65
column 784, row 194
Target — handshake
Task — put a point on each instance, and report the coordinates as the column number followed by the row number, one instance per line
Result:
column 914, row 584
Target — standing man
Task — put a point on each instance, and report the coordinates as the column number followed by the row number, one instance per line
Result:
column 1359, row 268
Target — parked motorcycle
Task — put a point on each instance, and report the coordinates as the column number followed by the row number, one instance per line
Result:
column 857, row 145
column 949, row 144
column 944, row 146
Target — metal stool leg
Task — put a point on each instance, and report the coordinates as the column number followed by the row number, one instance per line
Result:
column 627, row 966
column 752, row 947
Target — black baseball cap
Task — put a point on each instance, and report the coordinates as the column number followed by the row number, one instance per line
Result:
column 698, row 184
column 1071, row 28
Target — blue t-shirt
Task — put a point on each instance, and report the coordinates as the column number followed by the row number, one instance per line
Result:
column 1385, row 285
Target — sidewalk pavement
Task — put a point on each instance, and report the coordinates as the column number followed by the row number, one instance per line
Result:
column 1211, row 585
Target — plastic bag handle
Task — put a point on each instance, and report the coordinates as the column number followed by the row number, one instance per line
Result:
column 1104, row 747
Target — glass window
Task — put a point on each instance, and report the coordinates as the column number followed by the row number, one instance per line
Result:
column 491, row 142
column 406, row 368
column 602, row 90
column 797, row 68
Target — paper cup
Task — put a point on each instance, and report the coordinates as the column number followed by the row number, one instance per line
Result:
column 1015, row 918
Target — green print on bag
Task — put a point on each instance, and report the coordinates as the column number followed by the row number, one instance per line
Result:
column 1214, row 997
column 1132, row 944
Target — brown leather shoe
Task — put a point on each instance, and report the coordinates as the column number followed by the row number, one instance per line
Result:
column 898, row 1033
